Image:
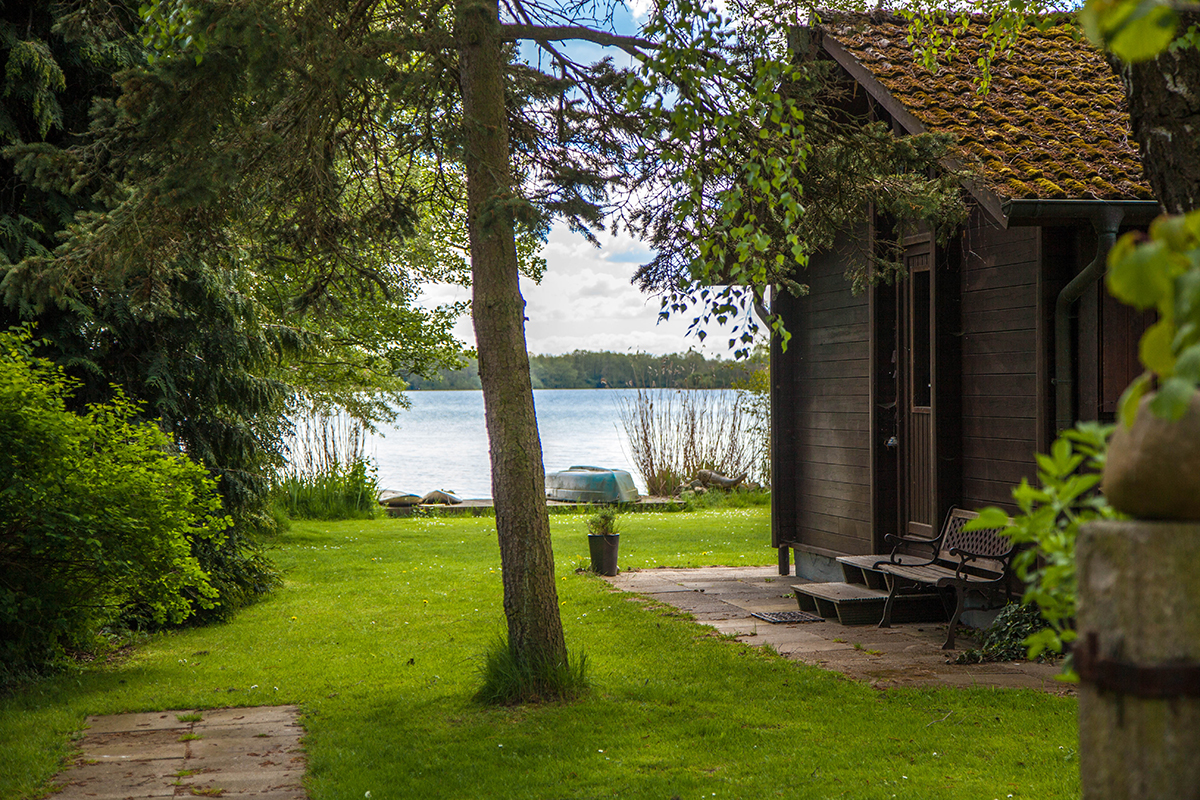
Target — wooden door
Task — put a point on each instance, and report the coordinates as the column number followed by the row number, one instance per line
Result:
column 918, row 374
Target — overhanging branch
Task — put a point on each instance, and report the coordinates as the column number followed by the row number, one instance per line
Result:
column 560, row 33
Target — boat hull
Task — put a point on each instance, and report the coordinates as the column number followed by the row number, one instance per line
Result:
column 591, row 485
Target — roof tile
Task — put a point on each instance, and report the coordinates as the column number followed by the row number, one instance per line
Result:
column 1053, row 124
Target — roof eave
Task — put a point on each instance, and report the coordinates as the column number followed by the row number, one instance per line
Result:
column 986, row 198
column 1049, row 212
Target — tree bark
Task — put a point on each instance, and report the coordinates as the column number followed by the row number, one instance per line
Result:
column 1164, row 108
column 535, row 635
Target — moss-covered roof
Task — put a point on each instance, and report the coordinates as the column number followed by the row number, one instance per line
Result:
column 1053, row 125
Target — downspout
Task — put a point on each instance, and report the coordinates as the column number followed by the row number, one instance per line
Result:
column 1106, row 222
column 785, row 552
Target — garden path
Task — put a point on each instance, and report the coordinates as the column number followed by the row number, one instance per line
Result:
column 903, row 655
column 227, row 752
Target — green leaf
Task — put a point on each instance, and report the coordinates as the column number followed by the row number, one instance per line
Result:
column 1172, row 399
column 990, row 517
column 1155, row 348
column 1187, row 365
column 1146, row 33
column 1139, row 274
column 1132, row 396
column 1173, row 230
column 1134, row 30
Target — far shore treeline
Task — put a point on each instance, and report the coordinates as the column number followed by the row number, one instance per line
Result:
column 585, row 369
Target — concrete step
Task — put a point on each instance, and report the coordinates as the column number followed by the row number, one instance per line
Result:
column 856, row 604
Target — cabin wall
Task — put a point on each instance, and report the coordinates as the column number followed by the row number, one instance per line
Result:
column 1108, row 333
column 822, row 400
column 832, row 494
column 1003, row 365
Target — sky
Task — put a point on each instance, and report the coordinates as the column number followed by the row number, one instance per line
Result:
column 585, row 301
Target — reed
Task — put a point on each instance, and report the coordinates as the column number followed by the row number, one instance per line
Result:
column 328, row 474
column 675, row 433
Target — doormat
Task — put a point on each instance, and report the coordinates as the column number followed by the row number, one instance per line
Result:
column 787, row 616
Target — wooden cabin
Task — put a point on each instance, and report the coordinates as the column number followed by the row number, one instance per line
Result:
column 893, row 405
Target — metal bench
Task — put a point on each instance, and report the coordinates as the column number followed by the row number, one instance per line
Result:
column 965, row 561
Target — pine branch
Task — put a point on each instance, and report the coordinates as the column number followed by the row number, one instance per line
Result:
column 559, row 33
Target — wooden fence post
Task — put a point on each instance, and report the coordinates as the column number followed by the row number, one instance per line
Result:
column 1138, row 656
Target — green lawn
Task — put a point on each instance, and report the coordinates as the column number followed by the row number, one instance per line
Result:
column 378, row 632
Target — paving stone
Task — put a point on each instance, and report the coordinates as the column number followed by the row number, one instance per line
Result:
column 135, row 745
column 664, row 587
column 758, row 605
column 115, row 781
column 258, row 781
column 153, row 721
column 909, row 654
column 246, row 752
column 240, row 751
column 252, row 716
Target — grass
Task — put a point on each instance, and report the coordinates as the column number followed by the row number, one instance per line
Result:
column 378, row 635
column 328, row 475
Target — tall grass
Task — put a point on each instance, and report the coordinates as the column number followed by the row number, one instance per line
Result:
column 328, row 474
column 674, row 433
column 755, row 391
column 508, row 680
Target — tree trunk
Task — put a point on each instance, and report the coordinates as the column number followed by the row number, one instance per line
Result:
column 535, row 634
column 1164, row 108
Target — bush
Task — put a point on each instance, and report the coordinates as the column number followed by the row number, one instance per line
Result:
column 1006, row 639
column 98, row 516
column 755, row 391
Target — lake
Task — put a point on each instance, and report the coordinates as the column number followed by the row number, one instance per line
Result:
column 441, row 441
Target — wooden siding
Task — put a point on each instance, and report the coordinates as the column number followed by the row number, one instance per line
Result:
column 827, row 467
column 1000, row 365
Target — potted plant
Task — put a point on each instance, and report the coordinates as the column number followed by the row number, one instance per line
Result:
column 603, row 541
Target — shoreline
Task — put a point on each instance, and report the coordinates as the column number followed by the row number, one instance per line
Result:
column 484, row 506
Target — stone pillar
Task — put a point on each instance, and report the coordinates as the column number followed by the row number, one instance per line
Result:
column 1138, row 654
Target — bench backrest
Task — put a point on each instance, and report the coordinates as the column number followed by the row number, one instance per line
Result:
column 994, row 548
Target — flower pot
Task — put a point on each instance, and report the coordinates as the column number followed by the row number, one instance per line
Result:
column 603, row 548
column 1153, row 467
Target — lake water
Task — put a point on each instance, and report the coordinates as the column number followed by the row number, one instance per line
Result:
column 441, row 441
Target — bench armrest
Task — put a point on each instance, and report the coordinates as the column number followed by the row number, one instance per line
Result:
column 899, row 540
column 965, row 557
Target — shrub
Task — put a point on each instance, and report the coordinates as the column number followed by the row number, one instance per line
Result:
column 98, row 516
column 755, row 391
column 1006, row 639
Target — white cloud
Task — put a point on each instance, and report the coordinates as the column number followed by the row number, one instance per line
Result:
column 586, row 302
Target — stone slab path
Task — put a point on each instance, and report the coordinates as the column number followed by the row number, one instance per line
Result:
column 903, row 655
column 228, row 752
